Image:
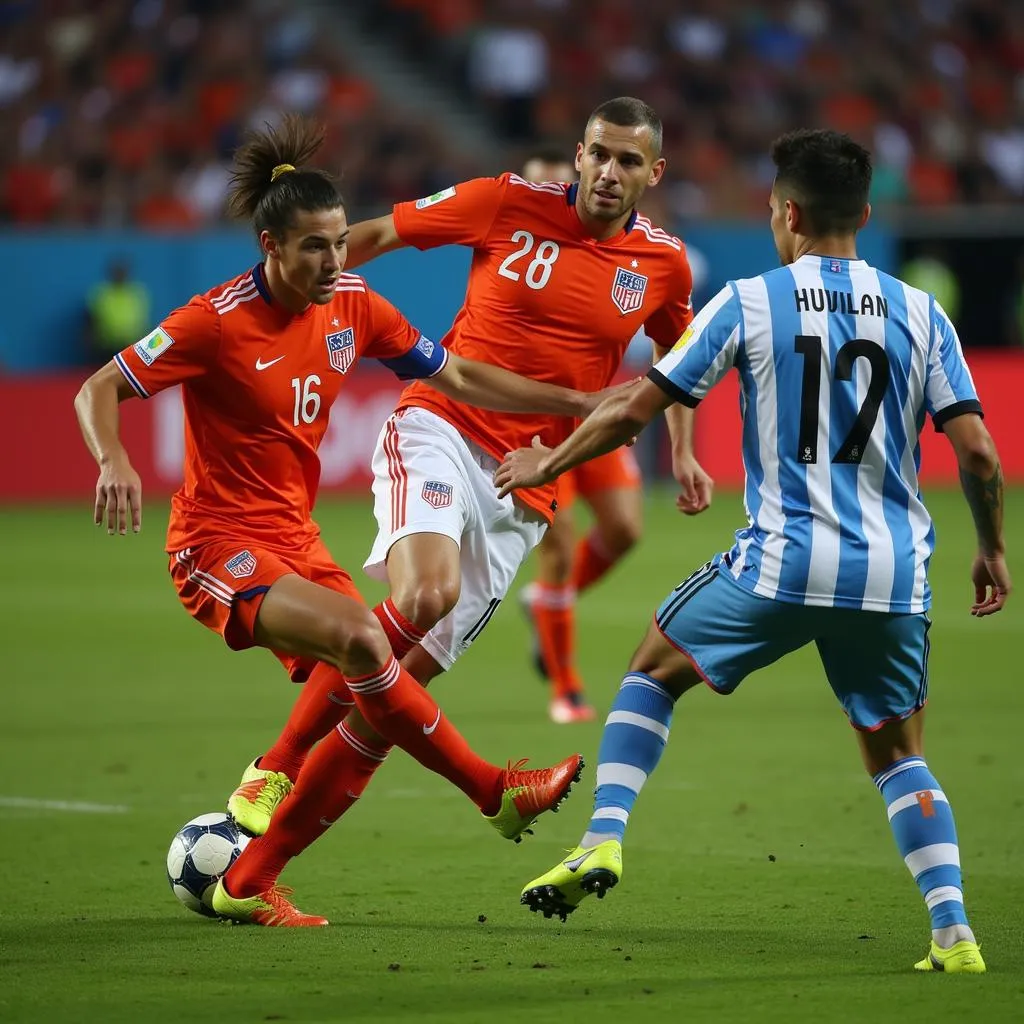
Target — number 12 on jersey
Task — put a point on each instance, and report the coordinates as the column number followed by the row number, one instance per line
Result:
column 855, row 442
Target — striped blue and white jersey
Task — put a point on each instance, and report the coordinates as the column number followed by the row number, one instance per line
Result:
column 838, row 365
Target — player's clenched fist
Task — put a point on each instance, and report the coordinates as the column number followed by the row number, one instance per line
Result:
column 118, row 495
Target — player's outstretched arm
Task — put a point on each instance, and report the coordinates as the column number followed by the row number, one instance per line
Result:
column 118, row 489
column 619, row 418
column 981, row 479
column 371, row 238
column 491, row 387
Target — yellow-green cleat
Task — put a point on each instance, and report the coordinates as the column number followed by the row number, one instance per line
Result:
column 583, row 873
column 528, row 793
column 271, row 909
column 961, row 958
column 259, row 793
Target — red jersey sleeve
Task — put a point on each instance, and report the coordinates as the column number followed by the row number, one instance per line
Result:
column 398, row 345
column 183, row 346
column 458, row 215
column 665, row 325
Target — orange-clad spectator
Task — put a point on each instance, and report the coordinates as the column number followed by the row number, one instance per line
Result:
column 220, row 101
column 130, row 71
column 31, row 192
column 931, row 181
column 160, row 209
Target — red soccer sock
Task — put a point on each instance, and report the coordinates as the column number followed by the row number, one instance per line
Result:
column 590, row 562
column 332, row 780
column 323, row 703
column 554, row 614
column 402, row 711
column 402, row 634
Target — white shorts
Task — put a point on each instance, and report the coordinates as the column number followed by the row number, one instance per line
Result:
column 428, row 478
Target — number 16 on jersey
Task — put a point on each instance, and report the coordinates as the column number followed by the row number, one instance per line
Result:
column 307, row 400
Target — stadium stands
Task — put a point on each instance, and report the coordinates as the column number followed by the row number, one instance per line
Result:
column 934, row 87
column 124, row 112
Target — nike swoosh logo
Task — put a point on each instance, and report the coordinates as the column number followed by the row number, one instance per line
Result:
column 326, row 823
column 428, row 729
column 335, row 699
column 577, row 862
column 260, row 365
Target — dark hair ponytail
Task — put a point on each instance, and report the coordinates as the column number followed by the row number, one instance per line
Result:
column 269, row 181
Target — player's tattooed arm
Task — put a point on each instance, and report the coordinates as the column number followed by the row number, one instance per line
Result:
column 984, row 496
column 981, row 478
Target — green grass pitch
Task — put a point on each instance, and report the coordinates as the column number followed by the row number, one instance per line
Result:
column 761, row 880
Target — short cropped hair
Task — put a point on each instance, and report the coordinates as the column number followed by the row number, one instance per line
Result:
column 827, row 174
column 629, row 112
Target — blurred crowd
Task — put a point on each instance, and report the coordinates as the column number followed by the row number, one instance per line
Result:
column 934, row 87
column 126, row 111
column 121, row 112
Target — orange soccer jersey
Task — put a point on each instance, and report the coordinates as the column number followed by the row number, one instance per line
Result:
column 258, row 383
column 544, row 298
column 615, row 470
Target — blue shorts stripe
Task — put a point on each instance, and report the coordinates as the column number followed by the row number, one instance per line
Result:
column 687, row 589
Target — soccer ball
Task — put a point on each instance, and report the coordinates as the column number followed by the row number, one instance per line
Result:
column 200, row 853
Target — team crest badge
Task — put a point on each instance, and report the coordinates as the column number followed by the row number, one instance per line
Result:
column 835, row 266
column 628, row 290
column 341, row 347
column 241, row 565
column 438, row 494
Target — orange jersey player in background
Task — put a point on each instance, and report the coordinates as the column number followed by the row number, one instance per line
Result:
column 562, row 278
column 260, row 360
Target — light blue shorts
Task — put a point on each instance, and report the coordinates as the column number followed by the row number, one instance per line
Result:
column 876, row 662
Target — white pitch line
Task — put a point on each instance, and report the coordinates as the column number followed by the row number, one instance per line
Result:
column 74, row 806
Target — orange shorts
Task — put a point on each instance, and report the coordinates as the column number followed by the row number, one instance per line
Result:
column 614, row 471
column 222, row 582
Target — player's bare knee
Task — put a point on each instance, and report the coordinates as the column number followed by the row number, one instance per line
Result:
column 620, row 535
column 891, row 742
column 657, row 658
column 359, row 644
column 556, row 565
column 425, row 602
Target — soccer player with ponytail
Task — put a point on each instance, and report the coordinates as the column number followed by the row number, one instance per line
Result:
column 260, row 360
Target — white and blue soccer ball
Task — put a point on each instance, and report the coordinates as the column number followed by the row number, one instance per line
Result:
column 200, row 853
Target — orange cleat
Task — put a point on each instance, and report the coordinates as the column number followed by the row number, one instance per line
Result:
column 571, row 707
column 527, row 794
column 271, row 909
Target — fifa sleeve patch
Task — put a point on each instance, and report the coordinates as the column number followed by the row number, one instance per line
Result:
column 153, row 345
column 425, row 359
column 437, row 197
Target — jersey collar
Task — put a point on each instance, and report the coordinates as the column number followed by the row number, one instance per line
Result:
column 261, row 284
column 259, row 278
column 831, row 264
column 570, row 201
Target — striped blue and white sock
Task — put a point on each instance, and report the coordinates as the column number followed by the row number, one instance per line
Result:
column 635, row 734
column 922, row 822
